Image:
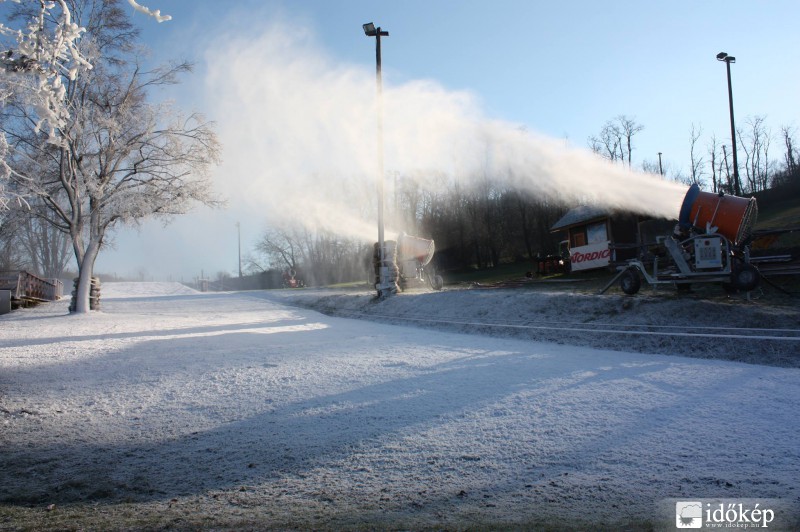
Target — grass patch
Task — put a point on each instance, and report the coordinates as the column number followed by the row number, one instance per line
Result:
column 781, row 215
column 351, row 285
column 779, row 208
column 590, row 279
column 502, row 272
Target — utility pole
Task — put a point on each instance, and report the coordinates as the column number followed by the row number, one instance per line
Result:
column 239, row 232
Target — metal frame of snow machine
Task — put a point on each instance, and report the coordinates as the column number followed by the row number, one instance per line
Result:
column 701, row 258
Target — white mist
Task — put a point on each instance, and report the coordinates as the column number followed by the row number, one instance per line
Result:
column 299, row 133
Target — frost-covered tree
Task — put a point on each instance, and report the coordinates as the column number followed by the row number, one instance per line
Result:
column 282, row 247
column 35, row 58
column 115, row 157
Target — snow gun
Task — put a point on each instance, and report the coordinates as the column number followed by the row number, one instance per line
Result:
column 409, row 262
column 710, row 244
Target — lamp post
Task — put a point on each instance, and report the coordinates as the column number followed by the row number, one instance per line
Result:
column 728, row 59
column 660, row 168
column 371, row 31
column 239, row 234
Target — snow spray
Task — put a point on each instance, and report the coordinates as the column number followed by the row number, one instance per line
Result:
column 299, row 133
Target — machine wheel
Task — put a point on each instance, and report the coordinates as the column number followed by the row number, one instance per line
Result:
column 436, row 282
column 630, row 282
column 729, row 288
column 745, row 277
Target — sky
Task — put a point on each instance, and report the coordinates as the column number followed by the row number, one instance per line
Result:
column 291, row 87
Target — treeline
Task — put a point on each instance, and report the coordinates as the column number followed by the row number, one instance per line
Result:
column 766, row 158
column 28, row 243
column 479, row 227
column 316, row 257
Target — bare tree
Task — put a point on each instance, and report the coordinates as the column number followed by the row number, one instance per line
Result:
column 37, row 245
column 615, row 141
column 320, row 257
column 281, row 248
column 715, row 175
column 11, row 256
column 608, row 144
column 755, row 141
column 790, row 157
column 595, row 145
column 734, row 187
column 651, row 167
column 696, row 161
column 627, row 128
column 47, row 248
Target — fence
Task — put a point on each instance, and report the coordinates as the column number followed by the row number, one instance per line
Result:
column 26, row 287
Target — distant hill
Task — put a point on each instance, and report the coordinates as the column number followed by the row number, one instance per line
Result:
column 779, row 208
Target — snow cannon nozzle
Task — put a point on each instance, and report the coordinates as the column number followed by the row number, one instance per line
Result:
column 732, row 216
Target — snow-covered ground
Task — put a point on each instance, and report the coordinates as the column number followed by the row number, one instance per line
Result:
column 172, row 408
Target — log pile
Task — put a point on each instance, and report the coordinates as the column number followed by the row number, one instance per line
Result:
column 94, row 295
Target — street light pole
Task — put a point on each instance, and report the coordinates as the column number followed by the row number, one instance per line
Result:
column 371, row 31
column 239, row 232
column 728, row 59
column 660, row 168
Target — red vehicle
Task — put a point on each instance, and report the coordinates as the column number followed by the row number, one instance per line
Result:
column 290, row 279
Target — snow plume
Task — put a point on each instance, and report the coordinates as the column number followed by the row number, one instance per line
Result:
column 300, row 135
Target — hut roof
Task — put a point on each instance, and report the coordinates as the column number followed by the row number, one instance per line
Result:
column 579, row 215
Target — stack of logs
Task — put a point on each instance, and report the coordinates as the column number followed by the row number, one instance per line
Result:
column 94, row 295
column 390, row 261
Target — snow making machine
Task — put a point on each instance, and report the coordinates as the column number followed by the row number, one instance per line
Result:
column 414, row 256
column 710, row 244
column 408, row 261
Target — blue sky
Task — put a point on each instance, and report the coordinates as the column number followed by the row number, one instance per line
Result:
column 562, row 68
column 558, row 68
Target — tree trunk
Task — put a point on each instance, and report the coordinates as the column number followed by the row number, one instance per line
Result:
column 526, row 230
column 86, row 269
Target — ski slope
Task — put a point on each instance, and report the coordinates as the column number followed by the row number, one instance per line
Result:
column 176, row 408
